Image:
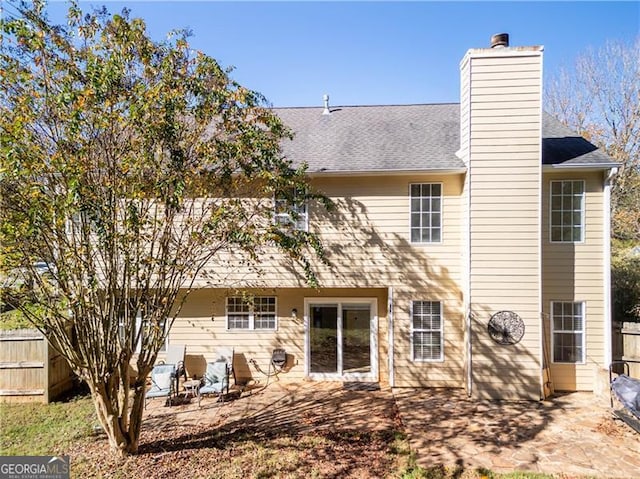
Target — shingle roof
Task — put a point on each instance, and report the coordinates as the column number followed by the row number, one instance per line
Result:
column 374, row 138
column 562, row 146
column 405, row 137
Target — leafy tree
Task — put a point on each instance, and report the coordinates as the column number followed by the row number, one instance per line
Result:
column 600, row 99
column 626, row 284
column 128, row 167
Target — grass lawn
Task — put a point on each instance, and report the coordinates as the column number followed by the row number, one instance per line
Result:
column 202, row 451
column 45, row 429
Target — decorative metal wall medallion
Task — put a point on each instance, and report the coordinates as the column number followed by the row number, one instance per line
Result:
column 506, row 327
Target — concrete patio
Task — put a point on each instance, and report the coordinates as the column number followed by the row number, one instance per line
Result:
column 572, row 434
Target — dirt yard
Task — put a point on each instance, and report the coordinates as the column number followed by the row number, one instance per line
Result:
column 294, row 430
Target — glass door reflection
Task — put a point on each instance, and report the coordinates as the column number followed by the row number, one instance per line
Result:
column 323, row 338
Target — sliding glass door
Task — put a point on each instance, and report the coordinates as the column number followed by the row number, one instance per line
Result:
column 341, row 338
column 356, row 338
column 324, row 339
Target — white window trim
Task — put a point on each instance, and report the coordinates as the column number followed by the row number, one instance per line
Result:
column 426, row 243
column 412, row 330
column 294, row 224
column 139, row 323
column 583, row 212
column 373, row 325
column 252, row 316
column 584, row 333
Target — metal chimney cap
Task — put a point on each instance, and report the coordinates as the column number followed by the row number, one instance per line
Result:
column 500, row 40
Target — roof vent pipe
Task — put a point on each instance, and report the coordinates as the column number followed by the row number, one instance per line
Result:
column 500, row 40
column 325, row 99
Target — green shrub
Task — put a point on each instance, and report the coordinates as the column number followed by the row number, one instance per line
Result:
column 625, row 278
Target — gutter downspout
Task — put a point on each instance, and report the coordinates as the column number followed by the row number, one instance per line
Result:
column 467, row 286
column 467, row 306
column 390, row 337
column 606, row 266
column 541, row 338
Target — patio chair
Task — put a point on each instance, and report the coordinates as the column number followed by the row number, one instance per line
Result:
column 215, row 380
column 276, row 365
column 162, row 383
column 226, row 354
column 175, row 356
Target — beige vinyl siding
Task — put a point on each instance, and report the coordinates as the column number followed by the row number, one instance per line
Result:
column 483, row 112
column 445, row 373
column 201, row 326
column 573, row 272
column 367, row 242
column 366, row 238
column 504, row 218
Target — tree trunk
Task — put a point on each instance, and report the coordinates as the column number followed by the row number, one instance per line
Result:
column 121, row 427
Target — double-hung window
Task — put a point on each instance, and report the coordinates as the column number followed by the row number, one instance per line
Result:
column 567, row 211
column 257, row 313
column 427, row 342
column 426, row 212
column 568, row 332
column 291, row 210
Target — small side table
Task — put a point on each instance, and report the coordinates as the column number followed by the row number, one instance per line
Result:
column 191, row 387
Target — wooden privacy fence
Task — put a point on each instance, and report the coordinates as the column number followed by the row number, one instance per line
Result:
column 626, row 345
column 631, row 347
column 30, row 369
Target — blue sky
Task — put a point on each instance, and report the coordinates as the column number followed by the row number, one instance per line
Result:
column 364, row 53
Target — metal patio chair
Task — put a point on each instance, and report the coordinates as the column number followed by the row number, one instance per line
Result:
column 175, row 356
column 215, row 380
column 162, row 383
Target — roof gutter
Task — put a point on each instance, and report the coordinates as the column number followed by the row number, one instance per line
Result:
column 444, row 171
column 452, row 171
column 580, row 166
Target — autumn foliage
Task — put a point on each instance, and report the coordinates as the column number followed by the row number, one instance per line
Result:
column 126, row 165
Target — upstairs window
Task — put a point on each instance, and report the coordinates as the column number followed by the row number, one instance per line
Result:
column 568, row 328
column 427, row 331
column 258, row 313
column 426, row 212
column 567, row 211
column 290, row 210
